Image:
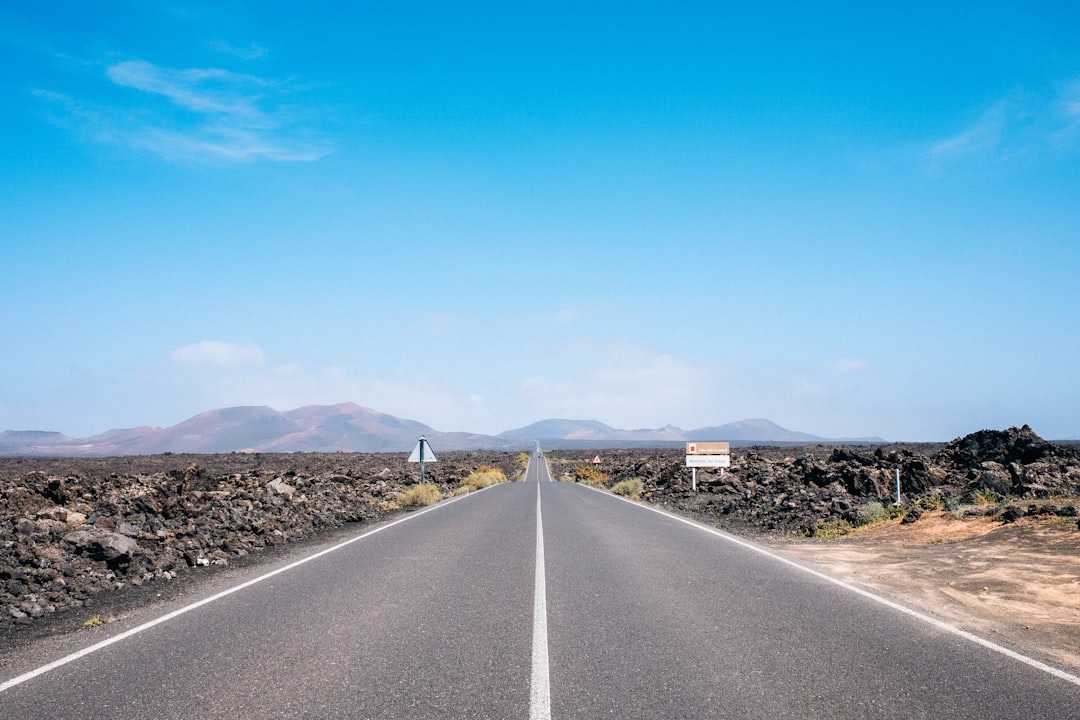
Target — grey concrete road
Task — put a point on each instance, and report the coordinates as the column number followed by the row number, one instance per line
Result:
column 642, row 616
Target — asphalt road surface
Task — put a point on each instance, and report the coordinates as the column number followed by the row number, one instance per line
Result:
column 474, row 609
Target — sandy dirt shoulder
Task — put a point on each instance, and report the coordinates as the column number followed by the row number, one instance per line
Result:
column 1015, row 584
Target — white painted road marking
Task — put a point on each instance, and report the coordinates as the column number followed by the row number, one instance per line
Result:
column 30, row 675
column 540, row 695
column 1038, row 665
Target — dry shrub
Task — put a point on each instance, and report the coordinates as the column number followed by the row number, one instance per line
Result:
column 484, row 476
column 631, row 488
column 589, row 475
column 420, row 496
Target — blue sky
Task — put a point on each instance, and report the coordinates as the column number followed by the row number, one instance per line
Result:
column 850, row 220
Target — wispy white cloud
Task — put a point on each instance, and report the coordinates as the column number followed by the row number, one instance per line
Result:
column 217, row 354
column 217, row 114
column 1068, row 108
column 213, row 373
column 76, row 116
column 1070, row 100
column 814, row 389
column 625, row 384
column 251, row 52
column 848, row 365
column 443, row 325
column 193, row 115
column 1022, row 125
column 980, row 138
column 567, row 315
column 216, row 142
column 207, row 91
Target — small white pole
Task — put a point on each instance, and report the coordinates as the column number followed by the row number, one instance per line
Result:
column 897, row 486
column 693, row 476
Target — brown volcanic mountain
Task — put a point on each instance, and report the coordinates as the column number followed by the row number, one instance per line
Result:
column 346, row 427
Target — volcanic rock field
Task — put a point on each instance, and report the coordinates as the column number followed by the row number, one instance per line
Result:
column 76, row 531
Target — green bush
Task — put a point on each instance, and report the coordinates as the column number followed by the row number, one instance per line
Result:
column 420, row 496
column 988, row 498
column 832, row 529
column 871, row 512
column 929, row 501
column 631, row 488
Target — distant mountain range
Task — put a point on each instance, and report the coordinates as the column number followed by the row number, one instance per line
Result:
column 348, row 427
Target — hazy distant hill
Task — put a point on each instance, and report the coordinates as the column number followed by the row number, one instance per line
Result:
column 753, row 430
column 20, row 442
column 760, row 429
column 557, row 428
column 345, row 427
column 32, row 437
column 348, row 427
column 590, row 433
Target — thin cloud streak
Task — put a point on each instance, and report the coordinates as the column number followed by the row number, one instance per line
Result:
column 848, row 365
column 201, row 90
column 251, row 52
column 1069, row 109
column 979, row 139
column 230, row 116
column 215, row 143
column 212, row 115
column 1020, row 125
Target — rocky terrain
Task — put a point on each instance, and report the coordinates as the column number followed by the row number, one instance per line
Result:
column 73, row 531
column 817, row 489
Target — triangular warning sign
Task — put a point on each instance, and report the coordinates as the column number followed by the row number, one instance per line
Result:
column 596, row 460
column 429, row 454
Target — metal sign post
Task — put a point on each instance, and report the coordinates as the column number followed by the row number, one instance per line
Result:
column 422, row 453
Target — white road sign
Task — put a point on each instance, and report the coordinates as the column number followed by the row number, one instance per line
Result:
column 708, row 461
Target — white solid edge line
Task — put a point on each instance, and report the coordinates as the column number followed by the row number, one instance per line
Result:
column 918, row 615
column 540, row 686
column 31, row 674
